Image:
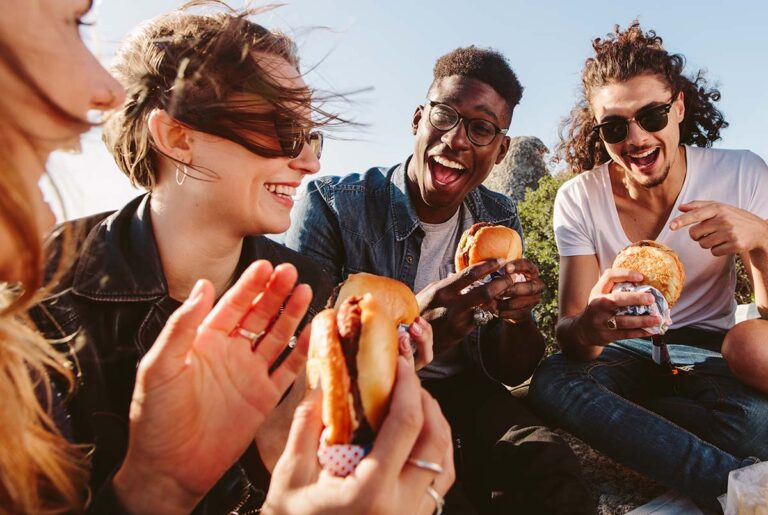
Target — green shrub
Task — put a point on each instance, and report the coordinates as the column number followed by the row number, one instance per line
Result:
column 744, row 293
column 536, row 217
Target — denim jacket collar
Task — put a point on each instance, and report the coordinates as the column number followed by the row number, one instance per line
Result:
column 482, row 206
column 403, row 213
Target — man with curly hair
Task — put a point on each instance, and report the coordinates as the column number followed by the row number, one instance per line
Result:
column 638, row 142
column 405, row 222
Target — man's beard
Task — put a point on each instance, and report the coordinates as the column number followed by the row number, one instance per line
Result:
column 652, row 182
column 658, row 180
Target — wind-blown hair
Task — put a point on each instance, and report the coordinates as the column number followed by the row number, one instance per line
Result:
column 621, row 56
column 204, row 71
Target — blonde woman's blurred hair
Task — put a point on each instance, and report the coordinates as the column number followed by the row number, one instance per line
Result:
column 40, row 471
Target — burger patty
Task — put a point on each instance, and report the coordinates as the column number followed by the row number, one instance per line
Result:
column 349, row 326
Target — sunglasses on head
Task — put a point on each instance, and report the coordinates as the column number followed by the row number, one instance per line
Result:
column 651, row 119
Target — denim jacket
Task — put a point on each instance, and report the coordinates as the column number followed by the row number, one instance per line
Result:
column 366, row 223
column 106, row 312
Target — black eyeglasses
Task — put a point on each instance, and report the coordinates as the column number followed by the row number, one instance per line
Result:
column 652, row 119
column 444, row 118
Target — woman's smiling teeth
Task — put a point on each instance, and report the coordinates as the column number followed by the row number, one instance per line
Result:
column 281, row 189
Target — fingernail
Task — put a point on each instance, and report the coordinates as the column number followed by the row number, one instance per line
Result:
column 501, row 261
column 636, row 276
column 416, row 329
column 197, row 292
column 510, row 268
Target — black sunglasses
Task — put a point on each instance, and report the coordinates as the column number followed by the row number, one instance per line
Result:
column 444, row 118
column 652, row 119
column 292, row 145
column 292, row 138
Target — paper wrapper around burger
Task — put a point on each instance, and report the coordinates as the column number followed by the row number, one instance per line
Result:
column 663, row 278
column 659, row 308
column 340, row 459
column 518, row 278
column 748, row 491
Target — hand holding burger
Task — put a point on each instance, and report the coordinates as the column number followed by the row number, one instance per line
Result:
column 659, row 264
column 387, row 481
column 353, row 356
column 484, row 242
column 632, row 298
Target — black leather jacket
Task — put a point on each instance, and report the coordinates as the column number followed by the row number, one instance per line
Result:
column 108, row 309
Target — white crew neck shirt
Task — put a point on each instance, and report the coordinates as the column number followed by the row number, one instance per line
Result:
column 586, row 222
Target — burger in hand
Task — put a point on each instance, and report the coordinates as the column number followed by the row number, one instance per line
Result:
column 353, row 353
column 484, row 241
column 659, row 264
column 663, row 277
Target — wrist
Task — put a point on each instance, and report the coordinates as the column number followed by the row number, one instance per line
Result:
column 574, row 339
column 142, row 490
column 759, row 257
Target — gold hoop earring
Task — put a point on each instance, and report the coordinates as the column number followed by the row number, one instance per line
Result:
column 181, row 175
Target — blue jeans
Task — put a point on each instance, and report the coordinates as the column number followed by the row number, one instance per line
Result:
column 686, row 431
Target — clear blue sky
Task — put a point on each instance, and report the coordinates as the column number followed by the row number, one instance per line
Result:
column 391, row 46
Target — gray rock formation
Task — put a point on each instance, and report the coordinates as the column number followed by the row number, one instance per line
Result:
column 521, row 168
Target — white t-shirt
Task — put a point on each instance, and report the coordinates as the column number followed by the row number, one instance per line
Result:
column 586, row 223
column 437, row 250
column 435, row 263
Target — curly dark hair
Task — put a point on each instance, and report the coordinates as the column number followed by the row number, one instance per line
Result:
column 619, row 57
column 485, row 65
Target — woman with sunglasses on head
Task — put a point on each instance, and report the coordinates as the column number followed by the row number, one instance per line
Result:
column 50, row 82
column 219, row 127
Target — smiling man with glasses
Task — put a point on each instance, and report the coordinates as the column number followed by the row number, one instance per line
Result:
column 405, row 222
column 637, row 142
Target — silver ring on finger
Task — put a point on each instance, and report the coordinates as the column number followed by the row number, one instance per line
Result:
column 481, row 316
column 253, row 338
column 611, row 324
column 439, row 501
column 426, row 465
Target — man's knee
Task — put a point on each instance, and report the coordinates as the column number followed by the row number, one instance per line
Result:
column 745, row 349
